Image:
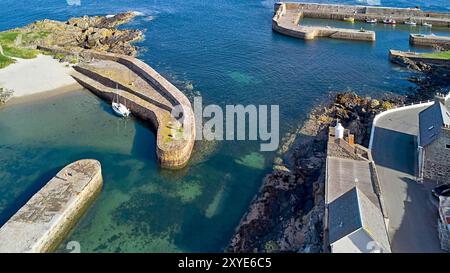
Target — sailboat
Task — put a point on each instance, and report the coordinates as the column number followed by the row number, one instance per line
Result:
column 118, row 108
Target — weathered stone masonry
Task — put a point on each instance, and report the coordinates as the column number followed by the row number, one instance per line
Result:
column 437, row 158
column 43, row 222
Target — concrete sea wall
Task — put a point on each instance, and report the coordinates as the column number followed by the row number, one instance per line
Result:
column 43, row 222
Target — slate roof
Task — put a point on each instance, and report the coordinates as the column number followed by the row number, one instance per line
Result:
column 353, row 211
column 430, row 122
column 344, row 174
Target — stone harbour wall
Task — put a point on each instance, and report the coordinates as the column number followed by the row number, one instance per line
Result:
column 43, row 222
column 429, row 40
column 360, row 13
column 397, row 56
column 286, row 21
column 171, row 154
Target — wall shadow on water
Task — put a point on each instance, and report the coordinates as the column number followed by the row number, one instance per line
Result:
column 417, row 232
column 394, row 150
column 25, row 196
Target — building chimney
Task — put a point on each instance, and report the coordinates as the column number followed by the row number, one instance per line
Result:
column 338, row 131
column 351, row 139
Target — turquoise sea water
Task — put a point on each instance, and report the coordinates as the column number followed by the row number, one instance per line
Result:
column 227, row 51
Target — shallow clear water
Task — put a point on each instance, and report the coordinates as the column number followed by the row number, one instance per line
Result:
column 226, row 49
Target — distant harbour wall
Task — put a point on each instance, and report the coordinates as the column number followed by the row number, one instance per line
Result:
column 286, row 21
column 429, row 40
column 43, row 222
column 361, row 13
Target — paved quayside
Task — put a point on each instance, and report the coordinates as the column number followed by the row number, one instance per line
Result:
column 41, row 224
column 412, row 215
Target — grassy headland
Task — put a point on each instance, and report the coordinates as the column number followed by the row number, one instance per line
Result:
column 445, row 55
column 15, row 45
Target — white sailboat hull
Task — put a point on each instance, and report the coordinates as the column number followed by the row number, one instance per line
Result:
column 120, row 109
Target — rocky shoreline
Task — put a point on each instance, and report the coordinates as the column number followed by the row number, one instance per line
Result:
column 287, row 213
column 99, row 33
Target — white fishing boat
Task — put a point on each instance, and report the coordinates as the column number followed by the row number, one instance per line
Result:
column 371, row 21
column 120, row 109
column 425, row 24
column 410, row 22
column 389, row 21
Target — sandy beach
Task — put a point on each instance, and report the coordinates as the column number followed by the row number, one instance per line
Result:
column 41, row 74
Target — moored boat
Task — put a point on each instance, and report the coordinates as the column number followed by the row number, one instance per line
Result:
column 425, row 24
column 389, row 21
column 410, row 22
column 349, row 19
column 371, row 21
column 118, row 108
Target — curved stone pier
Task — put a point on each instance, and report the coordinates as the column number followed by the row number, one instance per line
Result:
column 149, row 96
column 43, row 222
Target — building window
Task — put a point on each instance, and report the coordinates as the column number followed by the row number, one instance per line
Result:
column 447, row 146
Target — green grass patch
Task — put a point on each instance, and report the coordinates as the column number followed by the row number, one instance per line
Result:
column 59, row 56
column 10, row 50
column 438, row 55
column 8, row 37
column 5, row 61
column 17, row 52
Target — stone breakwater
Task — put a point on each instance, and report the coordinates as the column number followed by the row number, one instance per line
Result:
column 430, row 40
column 413, row 59
column 286, row 21
column 361, row 13
column 43, row 222
column 147, row 94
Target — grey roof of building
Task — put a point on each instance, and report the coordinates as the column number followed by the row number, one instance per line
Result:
column 344, row 174
column 353, row 211
column 430, row 122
